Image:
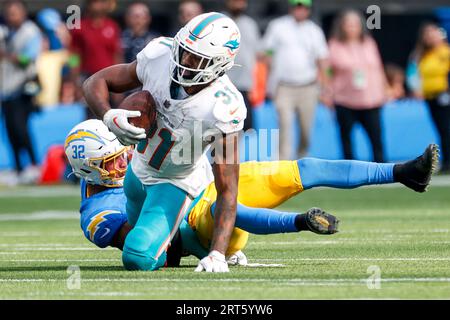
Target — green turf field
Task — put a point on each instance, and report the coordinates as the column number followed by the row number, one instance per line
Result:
column 402, row 234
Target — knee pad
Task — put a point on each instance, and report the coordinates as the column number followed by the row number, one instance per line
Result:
column 137, row 253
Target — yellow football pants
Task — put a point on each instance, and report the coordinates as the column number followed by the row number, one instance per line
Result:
column 261, row 185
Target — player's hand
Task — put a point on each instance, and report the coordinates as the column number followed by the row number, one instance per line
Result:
column 214, row 262
column 237, row 259
column 117, row 121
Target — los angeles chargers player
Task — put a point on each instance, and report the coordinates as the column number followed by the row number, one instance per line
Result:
column 195, row 102
column 100, row 160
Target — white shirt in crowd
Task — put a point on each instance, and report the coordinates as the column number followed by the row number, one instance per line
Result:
column 296, row 47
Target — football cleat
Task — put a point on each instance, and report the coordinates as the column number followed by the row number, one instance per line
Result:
column 416, row 174
column 321, row 222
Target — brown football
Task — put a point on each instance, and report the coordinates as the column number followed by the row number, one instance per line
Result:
column 141, row 101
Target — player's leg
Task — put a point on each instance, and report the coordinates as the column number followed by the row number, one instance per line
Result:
column 190, row 241
column 162, row 212
column 197, row 233
column 270, row 221
column 344, row 174
column 135, row 193
column 268, row 184
column 347, row 174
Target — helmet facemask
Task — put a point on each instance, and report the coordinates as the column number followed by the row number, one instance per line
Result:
column 207, row 69
column 111, row 169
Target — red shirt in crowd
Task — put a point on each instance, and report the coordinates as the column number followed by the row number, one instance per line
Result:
column 98, row 44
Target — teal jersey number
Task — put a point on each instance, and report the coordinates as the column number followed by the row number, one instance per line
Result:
column 226, row 95
column 163, row 148
column 161, row 151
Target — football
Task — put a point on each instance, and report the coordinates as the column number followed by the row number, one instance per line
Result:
column 141, row 101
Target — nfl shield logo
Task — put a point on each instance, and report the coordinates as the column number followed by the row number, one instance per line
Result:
column 167, row 104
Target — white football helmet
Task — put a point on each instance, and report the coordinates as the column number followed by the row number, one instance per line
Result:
column 96, row 155
column 215, row 38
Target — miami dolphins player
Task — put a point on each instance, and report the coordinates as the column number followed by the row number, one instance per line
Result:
column 100, row 160
column 197, row 105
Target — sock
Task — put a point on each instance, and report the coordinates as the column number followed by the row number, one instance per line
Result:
column 263, row 221
column 345, row 174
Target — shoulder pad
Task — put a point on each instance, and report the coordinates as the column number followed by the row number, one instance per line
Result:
column 230, row 113
column 157, row 47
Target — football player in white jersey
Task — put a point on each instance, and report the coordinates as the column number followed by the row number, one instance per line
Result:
column 197, row 107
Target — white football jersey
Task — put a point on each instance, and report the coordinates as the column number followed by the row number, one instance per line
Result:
column 176, row 151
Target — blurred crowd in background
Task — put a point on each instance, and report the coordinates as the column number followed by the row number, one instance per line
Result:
column 290, row 62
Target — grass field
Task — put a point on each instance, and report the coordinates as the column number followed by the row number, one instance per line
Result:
column 404, row 235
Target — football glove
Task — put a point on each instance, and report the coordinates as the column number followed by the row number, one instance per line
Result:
column 237, row 259
column 214, row 262
column 117, row 121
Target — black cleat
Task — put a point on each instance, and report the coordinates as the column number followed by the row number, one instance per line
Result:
column 320, row 222
column 416, row 174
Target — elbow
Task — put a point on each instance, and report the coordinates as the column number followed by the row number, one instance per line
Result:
column 86, row 84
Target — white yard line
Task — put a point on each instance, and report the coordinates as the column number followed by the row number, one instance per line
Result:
column 237, row 280
column 356, row 259
column 8, row 245
column 19, row 234
column 340, row 242
column 60, row 260
column 41, row 215
column 58, row 249
column 40, row 192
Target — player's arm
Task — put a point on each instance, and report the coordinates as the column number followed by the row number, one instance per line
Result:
column 226, row 177
column 118, row 78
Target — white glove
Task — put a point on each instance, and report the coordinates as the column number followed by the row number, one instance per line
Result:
column 117, row 121
column 237, row 259
column 214, row 262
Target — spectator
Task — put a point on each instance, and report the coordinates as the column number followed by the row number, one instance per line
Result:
column 97, row 42
column 433, row 56
column 187, row 10
column 51, row 62
column 242, row 75
column 19, row 49
column 138, row 19
column 395, row 76
column 358, row 81
column 299, row 53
